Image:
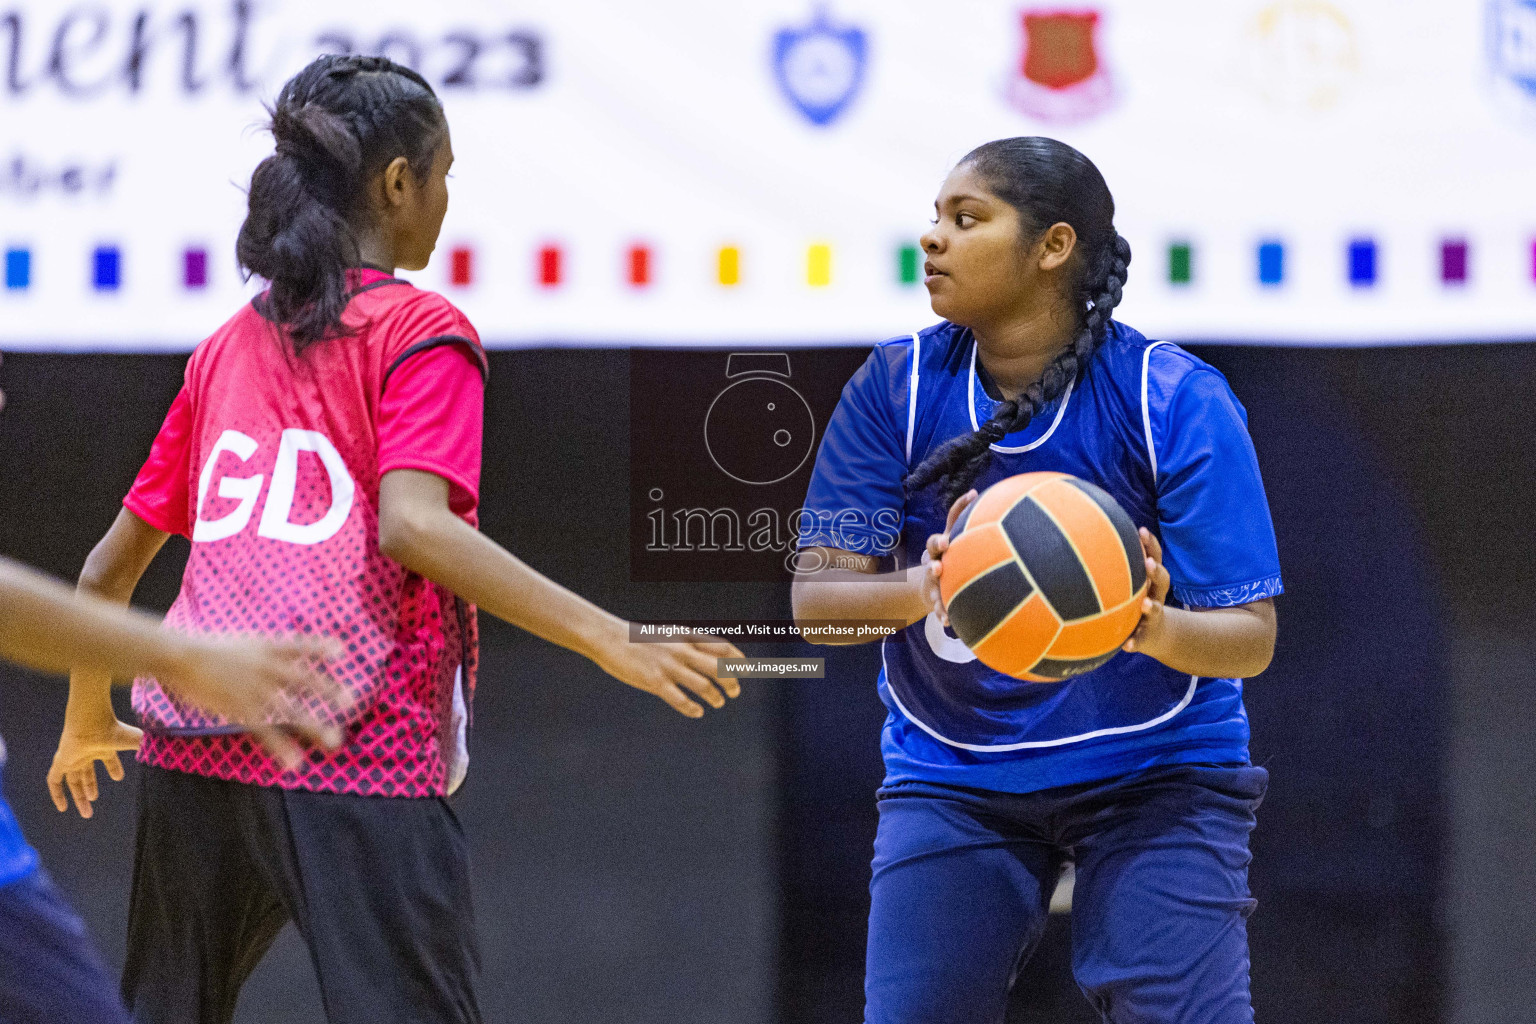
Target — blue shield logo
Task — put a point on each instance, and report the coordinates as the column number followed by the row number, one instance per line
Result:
column 1512, row 43
column 820, row 67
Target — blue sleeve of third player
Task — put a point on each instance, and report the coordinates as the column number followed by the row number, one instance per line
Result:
column 856, row 500
column 1218, row 540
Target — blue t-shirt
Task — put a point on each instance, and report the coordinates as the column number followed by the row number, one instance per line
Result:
column 17, row 860
column 1155, row 427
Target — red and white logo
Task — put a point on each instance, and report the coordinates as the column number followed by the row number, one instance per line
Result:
column 1061, row 76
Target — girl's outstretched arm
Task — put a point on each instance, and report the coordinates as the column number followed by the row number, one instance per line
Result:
column 419, row 530
column 44, row 625
column 851, row 589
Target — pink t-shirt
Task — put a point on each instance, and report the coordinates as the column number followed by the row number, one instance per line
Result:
column 270, row 463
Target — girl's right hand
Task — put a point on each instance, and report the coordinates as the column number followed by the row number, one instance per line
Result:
column 251, row 680
column 933, row 557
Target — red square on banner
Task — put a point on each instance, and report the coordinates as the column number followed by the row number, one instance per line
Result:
column 549, row 266
column 639, row 265
column 462, row 272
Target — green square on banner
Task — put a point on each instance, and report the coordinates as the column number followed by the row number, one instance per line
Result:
column 907, row 264
column 1180, row 263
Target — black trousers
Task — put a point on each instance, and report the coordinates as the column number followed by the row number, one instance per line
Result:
column 377, row 886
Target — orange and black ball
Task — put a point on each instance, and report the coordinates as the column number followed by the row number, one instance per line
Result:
column 1044, row 577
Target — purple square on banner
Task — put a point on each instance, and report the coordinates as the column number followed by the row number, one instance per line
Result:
column 196, row 268
column 1453, row 261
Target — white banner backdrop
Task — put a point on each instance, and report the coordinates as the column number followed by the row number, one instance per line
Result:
column 1313, row 171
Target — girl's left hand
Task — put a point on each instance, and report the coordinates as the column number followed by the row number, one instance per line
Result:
column 74, row 763
column 1149, row 632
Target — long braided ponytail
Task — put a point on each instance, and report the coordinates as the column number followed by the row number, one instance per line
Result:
column 337, row 123
column 1047, row 182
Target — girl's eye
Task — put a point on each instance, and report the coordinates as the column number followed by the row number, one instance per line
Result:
column 964, row 220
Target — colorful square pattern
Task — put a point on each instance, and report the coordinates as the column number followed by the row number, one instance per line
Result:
column 1271, row 262
column 550, row 266
column 1454, row 260
column 1181, row 263
column 639, row 266
column 107, row 268
column 194, row 268
column 1362, row 264
column 18, row 269
column 461, row 271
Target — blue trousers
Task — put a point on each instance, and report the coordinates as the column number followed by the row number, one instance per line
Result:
column 50, row 972
column 963, row 881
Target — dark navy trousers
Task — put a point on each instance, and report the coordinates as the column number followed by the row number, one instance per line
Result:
column 963, row 881
column 50, row 972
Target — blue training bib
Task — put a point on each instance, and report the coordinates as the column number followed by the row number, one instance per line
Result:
column 1155, row 427
column 17, row 859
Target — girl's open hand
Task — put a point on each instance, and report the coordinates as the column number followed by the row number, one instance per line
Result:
column 666, row 670
column 73, row 772
column 1149, row 632
column 933, row 556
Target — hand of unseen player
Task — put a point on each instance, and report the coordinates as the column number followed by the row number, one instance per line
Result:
column 1149, row 631
column 244, row 680
column 933, row 557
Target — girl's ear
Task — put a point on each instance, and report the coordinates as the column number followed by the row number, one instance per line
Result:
column 398, row 181
column 1056, row 245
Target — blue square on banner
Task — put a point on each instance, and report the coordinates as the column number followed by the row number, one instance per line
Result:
column 1271, row 262
column 107, row 268
column 1362, row 262
column 18, row 268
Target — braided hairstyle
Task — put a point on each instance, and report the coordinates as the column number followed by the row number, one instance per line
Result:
column 1047, row 182
column 337, row 124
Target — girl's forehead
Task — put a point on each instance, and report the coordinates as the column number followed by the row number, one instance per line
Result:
column 964, row 183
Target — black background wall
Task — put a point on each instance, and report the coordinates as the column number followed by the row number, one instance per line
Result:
column 631, row 865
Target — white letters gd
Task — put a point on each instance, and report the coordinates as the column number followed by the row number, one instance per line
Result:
column 285, row 477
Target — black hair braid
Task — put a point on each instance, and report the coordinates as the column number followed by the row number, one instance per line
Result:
column 1047, row 182
column 957, row 463
column 336, row 123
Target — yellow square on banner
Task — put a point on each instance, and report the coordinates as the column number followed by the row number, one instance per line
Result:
column 818, row 265
column 730, row 265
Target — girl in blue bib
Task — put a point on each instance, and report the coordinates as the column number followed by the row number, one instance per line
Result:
column 1135, row 772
